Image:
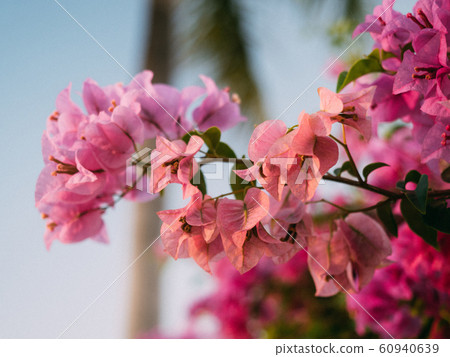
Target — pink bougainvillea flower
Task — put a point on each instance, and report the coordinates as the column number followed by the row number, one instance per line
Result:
column 419, row 70
column 191, row 231
column 113, row 138
column 431, row 14
column 203, row 213
column 350, row 255
column 162, row 108
column 390, row 29
column 270, row 151
column 74, row 223
column 315, row 154
column 405, row 294
column 349, row 109
column 62, row 133
column 386, row 106
column 237, row 222
column 436, row 144
column 173, row 162
column 245, row 240
column 217, row 109
column 97, row 99
column 298, row 158
column 287, row 222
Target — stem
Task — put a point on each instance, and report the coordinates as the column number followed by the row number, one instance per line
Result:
column 363, row 185
column 349, row 155
column 391, row 195
column 349, row 210
column 439, row 193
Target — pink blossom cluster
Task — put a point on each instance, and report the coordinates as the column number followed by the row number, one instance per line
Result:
column 288, row 163
column 86, row 153
column 414, row 85
column 299, row 157
column 208, row 229
column 409, row 298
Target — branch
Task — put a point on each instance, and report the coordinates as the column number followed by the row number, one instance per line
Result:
column 363, row 185
column 350, row 157
column 349, row 210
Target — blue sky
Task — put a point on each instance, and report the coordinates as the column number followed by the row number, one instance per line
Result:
column 42, row 51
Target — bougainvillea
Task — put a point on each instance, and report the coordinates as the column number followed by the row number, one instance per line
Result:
column 277, row 209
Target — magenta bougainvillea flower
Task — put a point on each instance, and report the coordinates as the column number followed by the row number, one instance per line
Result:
column 419, row 274
column 387, row 27
column 218, row 108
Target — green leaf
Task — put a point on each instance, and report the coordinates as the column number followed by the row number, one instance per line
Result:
column 412, row 176
column 381, row 55
column 199, row 181
column 445, row 175
column 370, row 64
column 438, row 216
column 419, row 196
column 346, row 167
column 224, row 150
column 386, row 216
column 385, row 55
column 417, row 223
column 238, row 183
column 211, row 137
column 372, row 167
column 400, row 185
column 188, row 135
column 340, row 81
column 407, row 47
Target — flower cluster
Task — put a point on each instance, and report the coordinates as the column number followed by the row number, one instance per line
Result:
column 408, row 298
column 86, row 153
column 414, row 85
column 288, row 163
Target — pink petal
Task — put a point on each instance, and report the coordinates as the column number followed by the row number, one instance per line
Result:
column 368, row 242
column 94, row 97
column 246, row 257
column 330, row 101
column 263, row 137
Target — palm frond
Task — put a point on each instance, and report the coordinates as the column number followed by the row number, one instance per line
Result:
column 215, row 36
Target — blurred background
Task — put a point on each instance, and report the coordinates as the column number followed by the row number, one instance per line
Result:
column 270, row 52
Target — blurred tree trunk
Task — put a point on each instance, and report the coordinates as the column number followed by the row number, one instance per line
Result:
column 144, row 303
